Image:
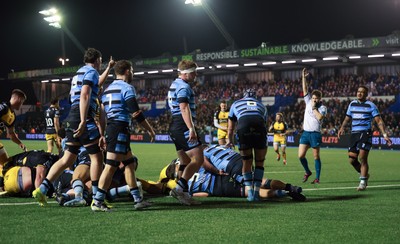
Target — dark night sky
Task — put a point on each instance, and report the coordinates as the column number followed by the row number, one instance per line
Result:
column 148, row 28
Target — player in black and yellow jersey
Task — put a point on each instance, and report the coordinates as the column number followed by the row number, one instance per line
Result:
column 23, row 171
column 221, row 122
column 52, row 119
column 279, row 128
column 7, row 120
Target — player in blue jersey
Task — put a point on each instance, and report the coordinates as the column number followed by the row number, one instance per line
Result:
column 120, row 105
column 311, row 136
column 220, row 175
column 52, row 120
column 250, row 116
column 80, row 125
column 362, row 114
column 227, row 163
column 181, row 101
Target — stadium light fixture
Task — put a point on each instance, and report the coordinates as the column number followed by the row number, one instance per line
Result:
column 200, row 68
column 395, row 54
column 330, row 58
column 289, row 62
column 63, row 61
column 309, row 60
column 54, row 19
column 232, row 65
column 138, row 73
column 376, row 56
column 167, row 70
column 250, row 64
column 269, row 63
column 194, row 2
column 354, row 57
column 152, row 72
column 214, row 19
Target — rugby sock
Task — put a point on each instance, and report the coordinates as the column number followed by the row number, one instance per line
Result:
column 363, row 179
column 280, row 193
column 248, row 183
column 304, row 162
column 100, row 195
column 257, row 178
column 288, row 187
column 182, row 185
column 45, row 186
column 317, row 168
column 95, row 187
column 136, row 194
column 356, row 165
column 267, row 184
column 77, row 185
column 284, row 155
column 118, row 192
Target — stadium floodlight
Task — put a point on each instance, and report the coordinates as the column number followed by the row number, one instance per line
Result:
column 167, row 70
column 66, row 79
column 45, row 81
column 395, row 54
column 376, row 56
column 54, row 20
column 138, row 73
column 152, row 72
column 63, row 61
column 194, row 2
column 200, row 68
column 214, row 19
column 232, row 65
column 355, row 57
column 52, row 16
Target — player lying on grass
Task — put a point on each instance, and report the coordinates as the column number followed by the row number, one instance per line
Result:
column 23, row 172
column 220, row 176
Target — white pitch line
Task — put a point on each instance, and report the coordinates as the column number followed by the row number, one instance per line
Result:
column 347, row 187
column 311, row 189
column 21, row 203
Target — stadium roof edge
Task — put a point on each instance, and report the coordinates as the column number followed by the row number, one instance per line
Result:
column 256, row 59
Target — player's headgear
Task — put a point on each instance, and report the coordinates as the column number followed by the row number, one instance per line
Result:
column 249, row 93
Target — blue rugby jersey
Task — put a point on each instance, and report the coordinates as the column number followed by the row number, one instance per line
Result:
column 180, row 91
column 202, row 181
column 115, row 99
column 361, row 115
column 247, row 106
column 86, row 75
column 219, row 156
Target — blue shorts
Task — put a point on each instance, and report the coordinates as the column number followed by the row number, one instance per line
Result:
column 313, row 138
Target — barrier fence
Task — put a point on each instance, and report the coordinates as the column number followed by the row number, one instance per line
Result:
column 327, row 141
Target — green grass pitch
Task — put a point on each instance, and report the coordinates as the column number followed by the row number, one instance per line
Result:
column 333, row 213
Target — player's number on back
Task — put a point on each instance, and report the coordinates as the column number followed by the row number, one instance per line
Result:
column 49, row 122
